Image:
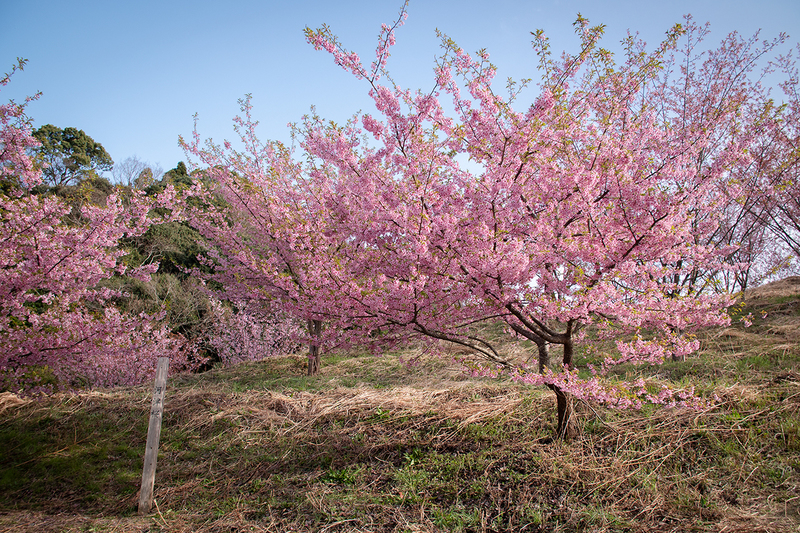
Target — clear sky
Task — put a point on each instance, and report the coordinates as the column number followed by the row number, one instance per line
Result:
column 133, row 74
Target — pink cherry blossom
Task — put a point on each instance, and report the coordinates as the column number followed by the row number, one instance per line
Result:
column 57, row 322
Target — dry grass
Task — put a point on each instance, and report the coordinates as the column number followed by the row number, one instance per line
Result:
column 346, row 459
column 787, row 287
column 9, row 400
column 371, row 445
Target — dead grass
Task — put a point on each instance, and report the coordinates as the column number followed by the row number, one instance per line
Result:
column 787, row 287
column 9, row 400
column 372, row 445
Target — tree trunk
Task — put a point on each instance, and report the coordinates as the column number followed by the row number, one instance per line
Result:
column 566, row 428
column 313, row 360
column 314, row 329
column 675, row 357
column 544, row 355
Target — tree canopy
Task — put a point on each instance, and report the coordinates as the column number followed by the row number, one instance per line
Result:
column 69, row 155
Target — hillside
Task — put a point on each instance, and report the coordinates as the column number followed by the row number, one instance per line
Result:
column 373, row 445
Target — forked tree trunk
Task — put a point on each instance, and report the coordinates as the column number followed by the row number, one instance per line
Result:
column 566, row 428
column 314, row 329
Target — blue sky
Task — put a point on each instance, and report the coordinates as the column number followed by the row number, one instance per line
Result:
column 133, row 74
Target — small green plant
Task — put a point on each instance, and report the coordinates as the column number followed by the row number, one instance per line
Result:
column 342, row 476
column 411, row 483
column 413, row 456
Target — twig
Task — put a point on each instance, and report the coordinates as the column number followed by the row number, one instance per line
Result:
column 600, row 418
column 159, row 512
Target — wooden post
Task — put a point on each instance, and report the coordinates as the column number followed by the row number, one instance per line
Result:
column 153, row 435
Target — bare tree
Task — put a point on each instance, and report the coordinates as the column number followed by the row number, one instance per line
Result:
column 136, row 173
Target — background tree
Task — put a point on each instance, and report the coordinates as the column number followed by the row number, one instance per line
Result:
column 774, row 181
column 69, row 155
column 135, row 173
column 178, row 176
column 268, row 245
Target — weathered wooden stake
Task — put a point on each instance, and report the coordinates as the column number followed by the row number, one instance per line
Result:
column 153, row 435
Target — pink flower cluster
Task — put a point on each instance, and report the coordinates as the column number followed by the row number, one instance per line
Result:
column 244, row 336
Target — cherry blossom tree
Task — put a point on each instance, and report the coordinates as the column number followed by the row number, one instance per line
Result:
column 16, row 166
column 241, row 335
column 772, row 181
column 271, row 245
column 589, row 208
column 58, row 326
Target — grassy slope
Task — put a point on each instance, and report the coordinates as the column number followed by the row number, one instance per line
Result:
column 371, row 445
